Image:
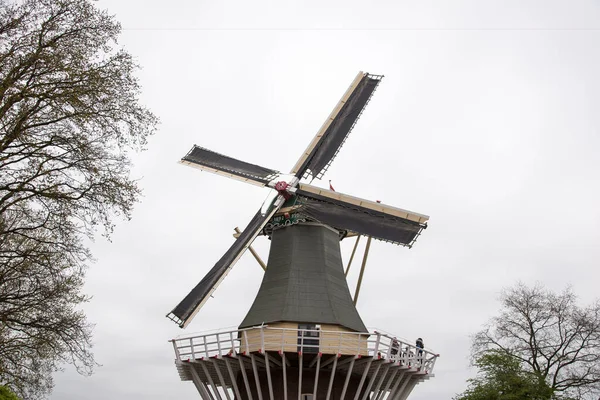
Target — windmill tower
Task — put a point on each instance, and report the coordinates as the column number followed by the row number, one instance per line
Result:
column 303, row 338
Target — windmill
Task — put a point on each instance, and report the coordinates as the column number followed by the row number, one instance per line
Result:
column 303, row 328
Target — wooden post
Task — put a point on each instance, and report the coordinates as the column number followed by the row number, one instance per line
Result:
column 352, row 255
column 362, row 270
column 254, row 253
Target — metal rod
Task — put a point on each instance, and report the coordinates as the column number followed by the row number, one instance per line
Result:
column 389, row 383
column 198, row 383
column 210, row 381
column 362, row 379
column 220, row 376
column 331, row 377
column 269, row 376
column 284, row 364
column 362, row 270
column 254, row 253
column 400, row 393
column 246, row 383
column 300, row 377
column 348, row 374
column 317, row 375
column 395, row 390
column 409, row 389
column 371, row 381
column 256, row 380
column 352, row 255
column 383, row 375
column 232, row 377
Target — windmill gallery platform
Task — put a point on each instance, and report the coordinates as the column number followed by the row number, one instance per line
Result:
column 303, row 338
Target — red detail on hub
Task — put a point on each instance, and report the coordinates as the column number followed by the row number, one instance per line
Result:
column 281, row 188
column 281, row 185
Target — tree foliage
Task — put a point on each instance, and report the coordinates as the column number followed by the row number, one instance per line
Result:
column 6, row 394
column 69, row 115
column 501, row 377
column 551, row 337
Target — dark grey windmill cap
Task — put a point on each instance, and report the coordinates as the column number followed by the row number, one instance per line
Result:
column 304, row 281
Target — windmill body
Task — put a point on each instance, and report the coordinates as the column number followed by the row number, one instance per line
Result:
column 302, row 337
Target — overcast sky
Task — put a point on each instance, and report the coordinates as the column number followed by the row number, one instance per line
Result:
column 487, row 120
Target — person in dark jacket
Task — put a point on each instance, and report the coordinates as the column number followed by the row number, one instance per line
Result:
column 395, row 347
column 420, row 346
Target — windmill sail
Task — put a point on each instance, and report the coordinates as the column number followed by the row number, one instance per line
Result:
column 361, row 216
column 183, row 313
column 220, row 164
column 330, row 138
column 334, row 209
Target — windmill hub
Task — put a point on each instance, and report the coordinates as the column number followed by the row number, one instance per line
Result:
column 302, row 336
column 282, row 189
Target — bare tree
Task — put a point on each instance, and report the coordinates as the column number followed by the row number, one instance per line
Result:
column 551, row 336
column 69, row 114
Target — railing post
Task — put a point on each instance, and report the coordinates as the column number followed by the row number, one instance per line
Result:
column 232, row 343
column 245, row 335
column 435, row 357
column 192, row 348
column 219, row 344
column 377, row 344
column 262, row 339
column 176, row 349
column 205, row 347
column 388, row 355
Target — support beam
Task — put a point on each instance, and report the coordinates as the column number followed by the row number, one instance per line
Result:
column 407, row 387
column 371, row 381
column 199, row 384
column 232, row 377
column 269, row 376
column 348, row 375
column 220, row 376
column 362, row 379
column 300, row 377
column 332, row 377
column 389, row 382
column 352, row 255
column 402, row 389
column 210, row 380
column 317, row 375
column 397, row 392
column 284, row 366
column 330, row 360
column 245, row 376
column 362, row 270
column 383, row 375
column 256, row 379
column 254, row 253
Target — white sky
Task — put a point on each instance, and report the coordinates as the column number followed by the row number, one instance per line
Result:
column 487, row 120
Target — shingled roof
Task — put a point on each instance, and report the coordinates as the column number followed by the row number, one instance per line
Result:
column 304, row 281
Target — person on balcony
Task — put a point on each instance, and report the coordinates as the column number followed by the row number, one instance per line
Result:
column 395, row 347
column 420, row 346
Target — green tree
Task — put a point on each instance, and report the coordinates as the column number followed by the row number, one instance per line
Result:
column 69, row 116
column 501, row 377
column 6, row 394
column 551, row 336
